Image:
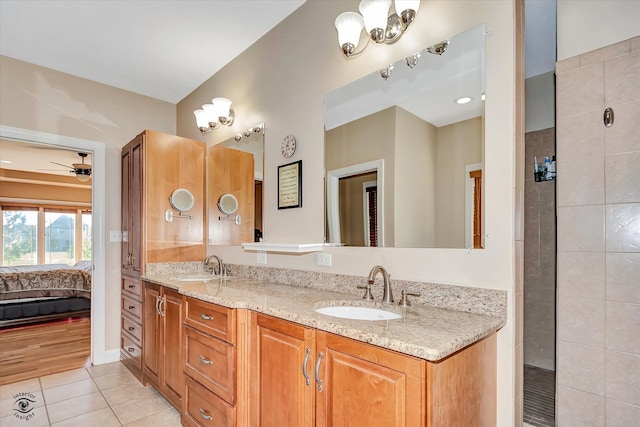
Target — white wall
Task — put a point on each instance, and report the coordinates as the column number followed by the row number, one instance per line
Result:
column 540, row 106
column 585, row 25
column 281, row 81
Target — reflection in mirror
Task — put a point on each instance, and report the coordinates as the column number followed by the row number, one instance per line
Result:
column 234, row 167
column 427, row 147
column 228, row 204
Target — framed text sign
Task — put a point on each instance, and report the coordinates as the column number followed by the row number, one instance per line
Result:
column 290, row 185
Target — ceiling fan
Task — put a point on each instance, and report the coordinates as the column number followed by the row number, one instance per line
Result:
column 81, row 170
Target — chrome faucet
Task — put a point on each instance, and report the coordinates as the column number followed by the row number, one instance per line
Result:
column 220, row 264
column 387, row 296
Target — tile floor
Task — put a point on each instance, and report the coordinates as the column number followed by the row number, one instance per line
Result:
column 102, row 395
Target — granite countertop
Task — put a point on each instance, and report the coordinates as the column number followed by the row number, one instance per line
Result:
column 426, row 332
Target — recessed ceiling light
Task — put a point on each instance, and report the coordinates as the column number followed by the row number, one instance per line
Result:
column 8, row 162
column 464, row 100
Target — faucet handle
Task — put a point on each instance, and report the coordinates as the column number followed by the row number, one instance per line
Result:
column 404, row 301
column 367, row 293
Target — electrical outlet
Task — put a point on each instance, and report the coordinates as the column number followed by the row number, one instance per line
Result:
column 324, row 259
column 115, row 236
column 262, row 257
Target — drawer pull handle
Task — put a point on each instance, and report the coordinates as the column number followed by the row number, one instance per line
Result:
column 205, row 317
column 130, row 349
column 304, row 366
column 131, row 307
column 205, row 361
column 132, row 286
column 204, row 415
column 131, row 328
column 318, row 380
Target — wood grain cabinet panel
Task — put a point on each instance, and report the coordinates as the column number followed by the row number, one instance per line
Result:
column 131, row 324
column 211, row 319
column 163, row 342
column 204, row 408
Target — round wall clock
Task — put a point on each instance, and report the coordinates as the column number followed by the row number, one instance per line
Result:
column 288, row 146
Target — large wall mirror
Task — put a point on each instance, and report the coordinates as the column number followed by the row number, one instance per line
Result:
column 404, row 151
column 235, row 168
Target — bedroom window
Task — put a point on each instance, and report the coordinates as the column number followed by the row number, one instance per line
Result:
column 45, row 235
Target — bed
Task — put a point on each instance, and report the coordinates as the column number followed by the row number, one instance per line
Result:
column 37, row 293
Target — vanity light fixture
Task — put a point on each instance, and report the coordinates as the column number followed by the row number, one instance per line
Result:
column 463, row 100
column 374, row 16
column 211, row 116
column 247, row 133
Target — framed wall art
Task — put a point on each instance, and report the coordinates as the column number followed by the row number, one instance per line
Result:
column 290, row 185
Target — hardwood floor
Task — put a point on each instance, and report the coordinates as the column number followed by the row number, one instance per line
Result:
column 38, row 350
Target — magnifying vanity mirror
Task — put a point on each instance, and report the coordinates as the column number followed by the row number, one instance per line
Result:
column 181, row 200
column 404, row 151
column 234, row 187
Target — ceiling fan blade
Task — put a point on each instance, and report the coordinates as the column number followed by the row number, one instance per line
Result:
column 60, row 164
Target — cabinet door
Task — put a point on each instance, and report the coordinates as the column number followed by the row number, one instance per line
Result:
column 125, row 219
column 135, row 206
column 152, row 327
column 172, row 362
column 281, row 395
column 364, row 385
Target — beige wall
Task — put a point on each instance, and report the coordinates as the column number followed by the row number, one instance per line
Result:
column 415, row 178
column 281, row 80
column 459, row 145
column 44, row 100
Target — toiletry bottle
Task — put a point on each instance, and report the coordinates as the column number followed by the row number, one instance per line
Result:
column 547, row 165
column 538, row 174
column 552, row 169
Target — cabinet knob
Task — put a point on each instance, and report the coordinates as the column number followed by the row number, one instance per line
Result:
column 204, row 415
column 205, row 317
column 131, row 328
column 131, row 307
column 130, row 349
column 205, row 361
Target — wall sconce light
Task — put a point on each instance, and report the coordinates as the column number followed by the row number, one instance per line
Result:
column 374, row 16
column 247, row 133
column 211, row 116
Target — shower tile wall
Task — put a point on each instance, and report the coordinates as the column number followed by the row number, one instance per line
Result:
column 539, row 255
column 598, row 362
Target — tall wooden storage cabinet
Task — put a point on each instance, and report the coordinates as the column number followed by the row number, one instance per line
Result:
column 154, row 165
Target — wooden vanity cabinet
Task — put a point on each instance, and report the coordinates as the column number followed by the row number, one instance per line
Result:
column 131, row 325
column 215, row 382
column 282, row 353
column 360, row 384
column 163, row 341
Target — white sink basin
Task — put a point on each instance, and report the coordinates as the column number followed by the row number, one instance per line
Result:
column 358, row 313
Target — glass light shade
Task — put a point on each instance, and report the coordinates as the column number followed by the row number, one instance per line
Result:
column 349, row 26
column 375, row 13
column 82, row 177
column 402, row 5
column 202, row 120
column 221, row 107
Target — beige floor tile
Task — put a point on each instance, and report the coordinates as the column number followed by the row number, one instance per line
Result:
column 137, row 409
column 166, row 418
column 66, row 377
column 9, row 405
column 38, row 419
column 69, row 391
column 115, row 379
column 100, row 418
column 124, row 392
column 8, row 390
column 106, row 369
column 76, row 406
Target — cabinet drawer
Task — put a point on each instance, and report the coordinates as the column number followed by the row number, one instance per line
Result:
column 212, row 319
column 132, row 286
column 134, row 308
column 211, row 362
column 132, row 328
column 203, row 408
column 131, row 351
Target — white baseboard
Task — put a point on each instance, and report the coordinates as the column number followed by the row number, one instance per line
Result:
column 107, row 356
